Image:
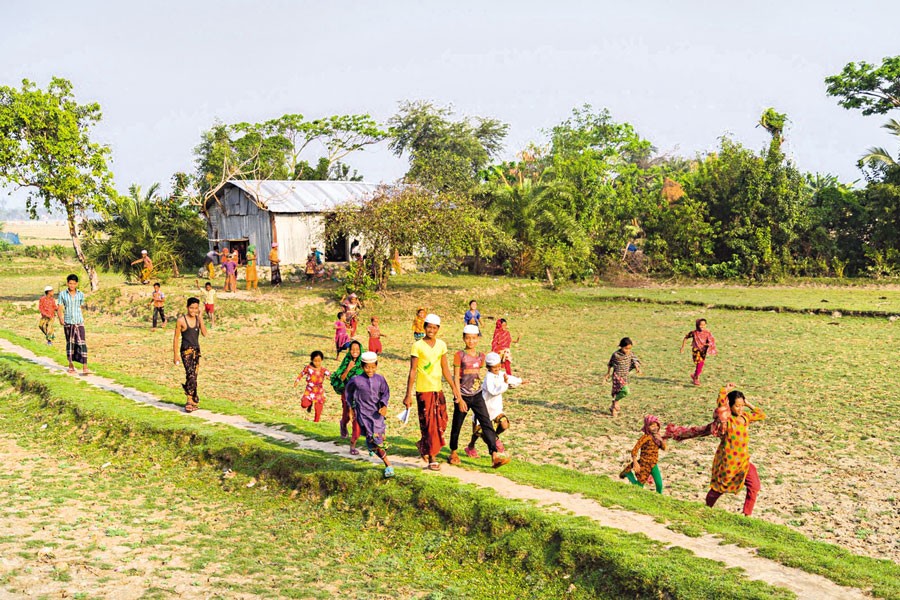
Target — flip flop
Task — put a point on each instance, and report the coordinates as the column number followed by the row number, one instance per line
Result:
column 434, row 466
column 354, row 452
column 471, row 452
column 499, row 462
column 388, row 472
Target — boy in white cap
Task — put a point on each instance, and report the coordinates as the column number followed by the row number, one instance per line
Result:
column 368, row 396
column 47, row 307
column 467, row 365
column 495, row 384
column 427, row 364
column 147, row 269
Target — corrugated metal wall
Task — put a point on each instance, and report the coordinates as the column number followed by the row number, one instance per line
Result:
column 297, row 234
column 238, row 218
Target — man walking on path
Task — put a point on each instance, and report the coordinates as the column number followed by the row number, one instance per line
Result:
column 70, row 317
column 427, row 364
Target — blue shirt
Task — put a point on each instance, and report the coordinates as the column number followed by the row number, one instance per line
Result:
column 72, row 307
column 472, row 315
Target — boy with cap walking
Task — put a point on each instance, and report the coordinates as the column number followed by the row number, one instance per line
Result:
column 496, row 383
column 427, row 365
column 47, row 307
column 467, row 366
column 368, row 396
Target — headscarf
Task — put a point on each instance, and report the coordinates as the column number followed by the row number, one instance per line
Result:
column 337, row 383
column 648, row 421
column 502, row 339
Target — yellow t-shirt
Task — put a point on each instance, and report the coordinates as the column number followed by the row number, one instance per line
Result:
column 429, row 373
column 210, row 296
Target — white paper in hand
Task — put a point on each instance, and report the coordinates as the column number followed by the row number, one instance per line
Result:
column 403, row 417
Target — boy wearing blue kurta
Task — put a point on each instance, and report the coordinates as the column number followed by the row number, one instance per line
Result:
column 368, row 395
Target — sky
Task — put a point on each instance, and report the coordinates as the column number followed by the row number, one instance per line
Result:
column 683, row 74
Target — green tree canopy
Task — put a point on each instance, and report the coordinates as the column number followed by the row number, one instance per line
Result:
column 874, row 89
column 46, row 149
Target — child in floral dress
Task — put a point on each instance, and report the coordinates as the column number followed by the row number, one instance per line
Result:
column 640, row 470
column 315, row 375
column 621, row 363
column 703, row 344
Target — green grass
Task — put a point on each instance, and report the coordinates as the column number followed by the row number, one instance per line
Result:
column 450, row 539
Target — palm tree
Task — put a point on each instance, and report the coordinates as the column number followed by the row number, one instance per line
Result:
column 879, row 156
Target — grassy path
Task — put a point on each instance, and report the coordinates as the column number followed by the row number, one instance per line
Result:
column 805, row 585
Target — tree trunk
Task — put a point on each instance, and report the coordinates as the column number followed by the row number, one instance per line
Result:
column 79, row 253
column 549, row 276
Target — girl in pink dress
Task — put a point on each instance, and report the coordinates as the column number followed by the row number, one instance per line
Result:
column 315, row 375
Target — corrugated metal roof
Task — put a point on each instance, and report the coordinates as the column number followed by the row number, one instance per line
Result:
column 305, row 196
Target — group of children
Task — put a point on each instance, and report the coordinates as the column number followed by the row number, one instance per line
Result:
column 731, row 469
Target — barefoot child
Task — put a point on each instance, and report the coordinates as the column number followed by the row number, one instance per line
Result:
column 496, row 383
column 158, row 302
column 189, row 328
column 209, row 302
column 702, row 343
column 368, row 396
column 341, row 338
column 375, row 336
column 315, row 375
column 621, row 363
column 467, row 366
column 639, row 470
column 501, row 344
column 418, row 326
column 47, row 308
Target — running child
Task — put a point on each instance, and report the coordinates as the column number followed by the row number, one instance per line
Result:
column 621, row 363
column 341, row 338
column 47, row 308
column 375, row 336
column 349, row 368
column 501, row 344
column 315, row 375
column 496, row 383
column 418, row 327
column 352, row 306
column 368, row 396
column 158, row 302
column 702, row 344
column 645, row 456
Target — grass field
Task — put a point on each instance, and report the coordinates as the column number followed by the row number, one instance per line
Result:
column 39, row 233
column 826, row 455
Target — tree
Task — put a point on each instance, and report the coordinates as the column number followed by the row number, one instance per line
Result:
column 45, row 148
column 879, row 157
column 876, row 90
column 441, row 228
column 444, row 155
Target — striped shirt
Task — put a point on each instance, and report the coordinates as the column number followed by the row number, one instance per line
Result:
column 72, row 307
column 622, row 363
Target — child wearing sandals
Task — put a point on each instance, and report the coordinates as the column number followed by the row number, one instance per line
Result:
column 368, row 396
column 315, row 375
column 621, row 363
column 496, row 383
column 642, row 468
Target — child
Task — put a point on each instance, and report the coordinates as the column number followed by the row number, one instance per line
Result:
column 341, row 339
column 314, row 394
column 492, row 390
column 158, row 303
column 230, row 266
column 467, row 375
column 368, row 395
column 473, row 315
column 349, row 368
column 47, row 308
column 310, row 268
column 702, row 343
column 501, row 343
column 352, row 306
column 639, row 470
column 209, row 301
column 375, row 336
column 418, row 326
column 621, row 363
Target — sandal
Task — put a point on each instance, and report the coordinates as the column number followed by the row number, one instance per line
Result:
column 388, row 472
column 454, row 458
column 471, row 452
column 434, row 466
column 499, row 461
column 354, row 452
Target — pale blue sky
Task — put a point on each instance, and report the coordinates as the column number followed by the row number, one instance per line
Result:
column 682, row 73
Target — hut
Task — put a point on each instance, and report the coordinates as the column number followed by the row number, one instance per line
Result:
column 292, row 213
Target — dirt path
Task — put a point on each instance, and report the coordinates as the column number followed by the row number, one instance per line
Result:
column 805, row 585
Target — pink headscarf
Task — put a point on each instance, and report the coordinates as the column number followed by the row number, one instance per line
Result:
column 648, row 421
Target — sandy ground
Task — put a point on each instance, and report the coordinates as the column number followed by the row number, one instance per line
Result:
column 39, row 233
column 804, row 584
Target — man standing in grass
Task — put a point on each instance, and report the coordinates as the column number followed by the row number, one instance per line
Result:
column 47, row 307
column 427, row 364
column 70, row 317
column 146, row 268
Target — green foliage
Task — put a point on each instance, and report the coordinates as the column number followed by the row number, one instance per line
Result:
column 444, row 155
column 173, row 233
column 874, row 89
column 45, row 148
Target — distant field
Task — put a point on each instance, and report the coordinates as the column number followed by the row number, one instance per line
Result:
column 39, row 233
column 826, row 455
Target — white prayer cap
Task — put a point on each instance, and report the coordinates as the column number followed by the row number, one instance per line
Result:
column 433, row 319
column 49, row 288
column 492, row 359
column 143, row 252
column 369, row 357
column 471, row 329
